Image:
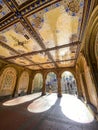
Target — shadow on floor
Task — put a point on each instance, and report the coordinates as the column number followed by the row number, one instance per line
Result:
column 19, row 118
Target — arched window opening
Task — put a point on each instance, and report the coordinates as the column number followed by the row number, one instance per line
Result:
column 51, row 83
column 37, row 83
column 68, row 83
column 23, row 83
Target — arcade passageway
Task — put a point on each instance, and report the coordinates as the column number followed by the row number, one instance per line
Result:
column 46, row 113
column 48, row 64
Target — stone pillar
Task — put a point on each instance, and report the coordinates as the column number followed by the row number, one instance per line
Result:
column 44, row 85
column 31, row 76
column 59, row 86
column 16, row 85
column 79, row 89
column 85, row 87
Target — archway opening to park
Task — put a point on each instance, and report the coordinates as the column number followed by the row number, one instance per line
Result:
column 68, row 83
column 51, row 83
column 37, row 83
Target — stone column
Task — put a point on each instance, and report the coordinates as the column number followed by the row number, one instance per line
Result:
column 59, row 86
column 31, row 76
column 44, row 85
column 15, row 93
column 85, row 87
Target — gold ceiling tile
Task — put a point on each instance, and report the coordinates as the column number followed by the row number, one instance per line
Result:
column 47, row 66
column 39, row 58
column 20, row 2
column 20, row 61
column 4, row 53
column 56, row 26
column 4, row 9
column 34, row 67
column 66, row 64
column 19, row 39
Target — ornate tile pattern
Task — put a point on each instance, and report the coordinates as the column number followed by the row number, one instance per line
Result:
column 40, row 25
column 66, row 63
column 19, row 2
column 8, row 79
column 39, row 58
column 64, row 53
column 34, row 67
column 4, row 10
column 20, row 61
column 19, row 39
column 53, row 22
column 47, row 66
column 4, row 53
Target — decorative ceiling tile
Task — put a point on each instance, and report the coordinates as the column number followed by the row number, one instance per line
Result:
column 66, row 63
column 39, row 58
column 4, row 9
column 4, row 53
column 20, row 2
column 34, row 67
column 59, row 23
column 19, row 39
column 20, row 61
column 64, row 53
column 47, row 66
column 53, row 25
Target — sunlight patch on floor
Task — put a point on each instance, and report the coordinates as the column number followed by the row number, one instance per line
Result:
column 71, row 107
column 75, row 109
column 22, row 99
column 42, row 104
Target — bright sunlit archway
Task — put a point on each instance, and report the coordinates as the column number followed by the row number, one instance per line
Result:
column 37, row 83
column 68, row 83
column 51, row 83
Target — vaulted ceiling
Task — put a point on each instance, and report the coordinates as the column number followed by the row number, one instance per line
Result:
column 40, row 34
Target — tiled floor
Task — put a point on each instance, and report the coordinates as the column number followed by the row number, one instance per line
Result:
column 34, row 112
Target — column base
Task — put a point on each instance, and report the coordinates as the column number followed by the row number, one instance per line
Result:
column 59, row 95
column 43, row 94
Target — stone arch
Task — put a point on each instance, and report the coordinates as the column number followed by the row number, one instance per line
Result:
column 51, row 81
column 90, row 43
column 91, row 93
column 37, row 82
column 48, row 71
column 23, row 83
column 68, row 82
column 70, row 70
column 73, row 71
column 7, row 81
column 79, row 87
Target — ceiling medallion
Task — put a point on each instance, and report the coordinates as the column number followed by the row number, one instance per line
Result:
column 73, row 6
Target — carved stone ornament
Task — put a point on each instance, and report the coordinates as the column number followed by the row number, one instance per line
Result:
column 73, row 6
